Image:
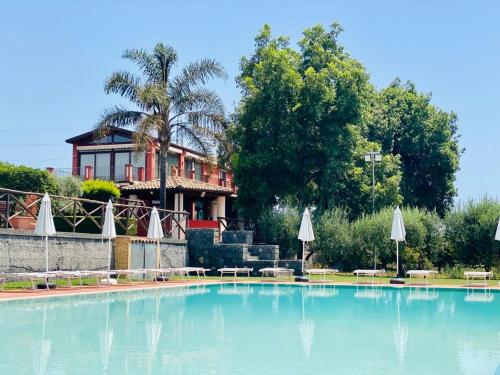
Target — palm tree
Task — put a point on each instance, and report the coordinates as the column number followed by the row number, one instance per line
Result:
column 165, row 105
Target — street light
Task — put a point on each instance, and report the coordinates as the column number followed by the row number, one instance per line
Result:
column 373, row 156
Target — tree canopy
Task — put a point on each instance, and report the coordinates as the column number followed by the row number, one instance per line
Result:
column 309, row 114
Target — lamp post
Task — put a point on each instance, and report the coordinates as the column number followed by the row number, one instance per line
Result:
column 373, row 156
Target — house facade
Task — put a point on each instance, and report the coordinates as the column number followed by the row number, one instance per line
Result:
column 195, row 183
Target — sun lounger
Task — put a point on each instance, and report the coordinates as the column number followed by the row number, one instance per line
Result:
column 421, row 273
column 70, row 275
column 31, row 277
column 186, row 271
column 235, row 271
column 478, row 275
column 276, row 272
column 322, row 272
column 157, row 272
column 368, row 273
column 100, row 275
column 129, row 274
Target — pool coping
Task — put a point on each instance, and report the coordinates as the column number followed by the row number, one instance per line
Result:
column 90, row 290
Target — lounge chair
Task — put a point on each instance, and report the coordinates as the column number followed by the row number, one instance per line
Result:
column 322, row 272
column 186, row 271
column 31, row 277
column 235, row 271
column 70, row 275
column 276, row 272
column 421, row 273
column 478, row 275
column 368, row 273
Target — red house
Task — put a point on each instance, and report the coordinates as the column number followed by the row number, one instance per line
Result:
column 195, row 183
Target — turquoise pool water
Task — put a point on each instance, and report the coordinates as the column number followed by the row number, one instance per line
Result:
column 254, row 329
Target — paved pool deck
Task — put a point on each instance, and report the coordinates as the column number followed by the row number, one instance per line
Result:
column 76, row 290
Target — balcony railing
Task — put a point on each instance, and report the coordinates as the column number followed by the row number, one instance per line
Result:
column 138, row 174
column 78, row 214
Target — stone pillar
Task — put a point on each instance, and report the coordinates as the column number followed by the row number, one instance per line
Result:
column 179, row 206
column 213, row 209
column 221, row 210
column 182, row 163
column 89, row 173
column 128, row 172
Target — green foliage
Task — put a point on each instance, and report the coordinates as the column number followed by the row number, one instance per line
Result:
column 26, row 179
column 405, row 123
column 100, row 190
column 471, row 231
column 308, row 116
column 280, row 225
column 69, row 186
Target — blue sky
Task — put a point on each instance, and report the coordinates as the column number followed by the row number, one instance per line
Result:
column 55, row 56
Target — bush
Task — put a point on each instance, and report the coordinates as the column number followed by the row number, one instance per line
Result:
column 333, row 243
column 100, row 190
column 69, row 186
column 471, row 232
column 26, row 179
column 280, row 225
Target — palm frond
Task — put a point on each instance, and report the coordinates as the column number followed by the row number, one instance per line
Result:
column 119, row 117
column 195, row 137
column 153, row 96
column 166, row 57
column 146, row 131
column 196, row 73
column 146, row 63
column 124, row 84
column 200, row 99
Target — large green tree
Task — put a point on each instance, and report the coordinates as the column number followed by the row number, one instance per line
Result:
column 165, row 103
column 405, row 123
column 299, row 127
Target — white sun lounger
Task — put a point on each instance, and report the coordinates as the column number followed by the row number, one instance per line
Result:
column 322, row 272
column 421, row 273
column 478, row 275
column 186, row 271
column 31, row 277
column 70, row 275
column 235, row 271
column 163, row 272
column 368, row 273
column 276, row 272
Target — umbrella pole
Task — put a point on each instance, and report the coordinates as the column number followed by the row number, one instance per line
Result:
column 303, row 255
column 397, row 258
column 109, row 254
column 46, row 253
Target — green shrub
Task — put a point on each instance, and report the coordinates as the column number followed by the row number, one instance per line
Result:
column 333, row 243
column 100, row 190
column 26, row 179
column 471, row 230
column 69, row 186
column 280, row 225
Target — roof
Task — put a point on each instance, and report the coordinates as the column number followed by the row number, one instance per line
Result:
column 114, row 130
column 175, row 183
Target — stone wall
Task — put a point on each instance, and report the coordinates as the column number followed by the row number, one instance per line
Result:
column 22, row 251
column 205, row 251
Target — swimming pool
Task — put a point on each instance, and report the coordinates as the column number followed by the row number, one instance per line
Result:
column 254, row 329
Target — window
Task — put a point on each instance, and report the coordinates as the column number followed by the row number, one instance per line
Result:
column 138, row 160
column 121, row 139
column 172, row 160
column 121, row 159
column 197, row 171
column 86, row 160
column 222, row 175
column 107, row 139
column 102, row 166
column 189, row 168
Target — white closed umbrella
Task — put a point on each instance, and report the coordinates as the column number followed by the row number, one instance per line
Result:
column 109, row 228
column 398, row 233
column 155, row 230
column 306, row 233
column 497, row 235
column 45, row 225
